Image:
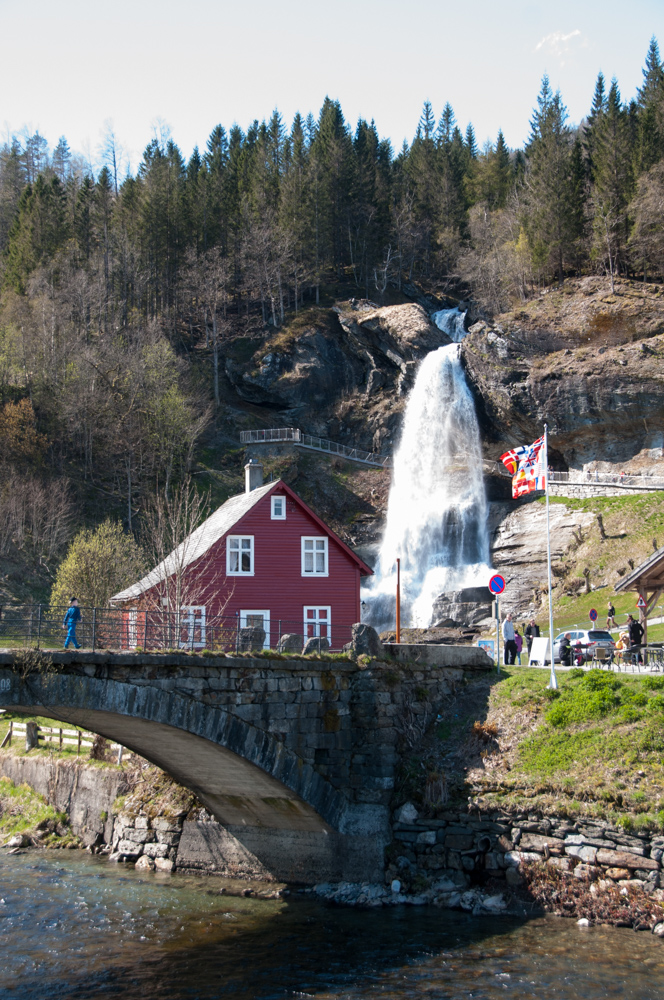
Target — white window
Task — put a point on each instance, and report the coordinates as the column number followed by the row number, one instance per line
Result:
column 318, row 622
column 314, row 556
column 191, row 627
column 278, row 508
column 240, row 555
column 257, row 619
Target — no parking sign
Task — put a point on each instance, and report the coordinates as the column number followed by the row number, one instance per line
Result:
column 497, row 584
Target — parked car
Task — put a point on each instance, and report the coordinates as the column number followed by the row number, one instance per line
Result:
column 589, row 638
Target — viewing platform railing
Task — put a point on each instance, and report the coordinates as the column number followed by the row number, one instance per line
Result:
column 301, row 440
column 627, row 481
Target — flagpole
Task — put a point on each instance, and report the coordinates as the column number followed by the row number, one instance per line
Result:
column 553, row 680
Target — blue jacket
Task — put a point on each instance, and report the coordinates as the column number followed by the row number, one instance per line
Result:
column 72, row 616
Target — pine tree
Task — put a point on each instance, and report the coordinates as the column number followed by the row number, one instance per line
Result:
column 613, row 184
column 650, row 111
column 595, row 116
column 551, row 222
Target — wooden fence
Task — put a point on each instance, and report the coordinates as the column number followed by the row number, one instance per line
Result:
column 58, row 738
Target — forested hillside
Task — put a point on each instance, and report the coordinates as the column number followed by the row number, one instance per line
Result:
column 125, row 299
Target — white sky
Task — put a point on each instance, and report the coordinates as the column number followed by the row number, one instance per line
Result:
column 67, row 67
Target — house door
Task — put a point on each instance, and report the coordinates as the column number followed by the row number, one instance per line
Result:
column 257, row 619
column 192, row 627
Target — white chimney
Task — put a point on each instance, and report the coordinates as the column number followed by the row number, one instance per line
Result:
column 253, row 475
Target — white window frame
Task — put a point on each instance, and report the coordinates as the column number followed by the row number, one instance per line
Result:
column 278, row 517
column 239, row 539
column 314, row 539
column 266, row 623
column 187, row 620
column 317, row 621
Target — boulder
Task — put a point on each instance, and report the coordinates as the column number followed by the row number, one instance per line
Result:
column 366, row 642
column 251, row 639
column 290, row 643
column 18, row 840
column 129, row 848
column 316, row 644
column 537, row 842
column 163, row 865
column 145, row 863
column 617, row 874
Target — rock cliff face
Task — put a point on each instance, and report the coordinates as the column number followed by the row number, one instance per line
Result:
column 342, row 373
column 589, row 363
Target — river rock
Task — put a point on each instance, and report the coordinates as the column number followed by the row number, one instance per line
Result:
column 163, row 864
column 18, row 840
column 658, row 929
column 494, row 904
column 145, row 863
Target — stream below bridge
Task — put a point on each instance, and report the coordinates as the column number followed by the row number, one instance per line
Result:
column 74, row 926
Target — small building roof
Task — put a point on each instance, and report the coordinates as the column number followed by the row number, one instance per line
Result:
column 648, row 576
column 214, row 528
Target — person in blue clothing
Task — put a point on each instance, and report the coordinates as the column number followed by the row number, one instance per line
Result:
column 71, row 620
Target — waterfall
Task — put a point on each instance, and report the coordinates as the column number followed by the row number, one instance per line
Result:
column 436, row 514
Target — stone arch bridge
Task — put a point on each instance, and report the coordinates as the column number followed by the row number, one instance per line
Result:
column 295, row 759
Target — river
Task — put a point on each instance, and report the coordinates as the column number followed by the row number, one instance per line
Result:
column 76, row 926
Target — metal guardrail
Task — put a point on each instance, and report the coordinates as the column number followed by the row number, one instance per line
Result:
column 155, row 630
column 641, row 482
column 308, row 441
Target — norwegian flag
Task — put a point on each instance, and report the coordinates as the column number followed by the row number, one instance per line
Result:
column 527, row 466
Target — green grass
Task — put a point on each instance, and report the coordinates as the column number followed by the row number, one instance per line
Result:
column 23, row 810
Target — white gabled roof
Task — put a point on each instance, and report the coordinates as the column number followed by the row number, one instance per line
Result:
column 200, row 540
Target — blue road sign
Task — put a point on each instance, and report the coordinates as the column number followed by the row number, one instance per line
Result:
column 497, row 584
column 592, row 614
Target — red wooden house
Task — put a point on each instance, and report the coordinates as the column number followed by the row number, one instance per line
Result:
column 263, row 559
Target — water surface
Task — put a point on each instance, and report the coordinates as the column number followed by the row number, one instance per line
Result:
column 76, row 926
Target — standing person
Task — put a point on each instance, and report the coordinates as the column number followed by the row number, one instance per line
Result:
column 532, row 632
column 508, row 639
column 71, row 620
column 610, row 617
column 635, row 636
column 518, row 642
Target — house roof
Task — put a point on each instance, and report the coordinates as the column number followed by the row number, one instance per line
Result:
column 648, row 576
column 214, row 528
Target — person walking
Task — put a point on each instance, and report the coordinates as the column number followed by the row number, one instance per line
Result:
column 610, row 617
column 508, row 640
column 532, row 632
column 71, row 620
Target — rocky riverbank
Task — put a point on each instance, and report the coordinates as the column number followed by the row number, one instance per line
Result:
column 518, row 864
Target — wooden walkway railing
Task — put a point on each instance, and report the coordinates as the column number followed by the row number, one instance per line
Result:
column 61, row 737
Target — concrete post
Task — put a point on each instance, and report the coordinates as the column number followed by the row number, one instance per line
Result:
column 31, row 735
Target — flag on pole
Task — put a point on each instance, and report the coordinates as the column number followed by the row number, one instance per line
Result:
column 527, row 466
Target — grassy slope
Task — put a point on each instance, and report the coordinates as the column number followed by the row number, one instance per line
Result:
column 593, row 749
column 632, row 524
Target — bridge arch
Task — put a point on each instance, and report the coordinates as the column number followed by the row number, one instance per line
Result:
column 284, row 814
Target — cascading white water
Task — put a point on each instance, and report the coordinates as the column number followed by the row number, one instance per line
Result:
column 436, row 515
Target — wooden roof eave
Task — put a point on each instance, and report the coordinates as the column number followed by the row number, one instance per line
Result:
column 648, row 576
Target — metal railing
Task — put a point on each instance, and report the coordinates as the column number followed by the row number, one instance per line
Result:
column 308, row 441
column 153, row 629
column 636, row 481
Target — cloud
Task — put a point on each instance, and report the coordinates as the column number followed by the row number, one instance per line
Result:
column 559, row 44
